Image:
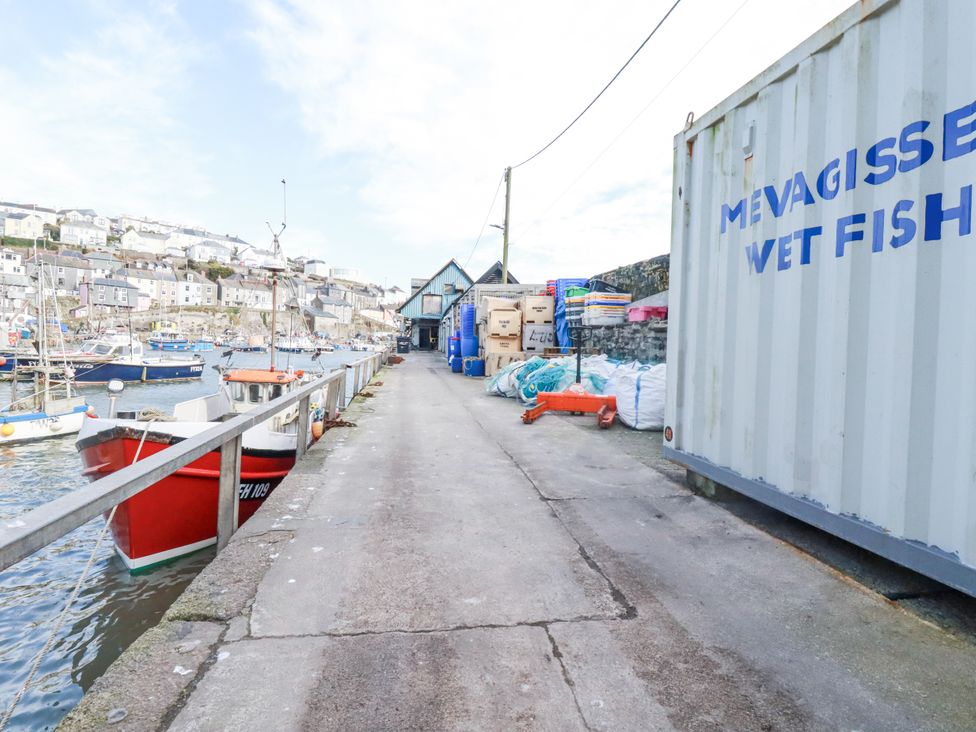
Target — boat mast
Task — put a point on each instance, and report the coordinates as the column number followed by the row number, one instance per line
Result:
column 276, row 266
column 40, row 375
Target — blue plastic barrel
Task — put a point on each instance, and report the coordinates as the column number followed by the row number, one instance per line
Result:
column 469, row 347
column 456, row 364
column 467, row 320
column 453, row 346
column 474, row 367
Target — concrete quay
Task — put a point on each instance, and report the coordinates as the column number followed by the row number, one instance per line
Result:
column 441, row 566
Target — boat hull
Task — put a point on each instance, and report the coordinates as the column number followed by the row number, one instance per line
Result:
column 35, row 426
column 177, row 515
column 101, row 372
column 169, row 345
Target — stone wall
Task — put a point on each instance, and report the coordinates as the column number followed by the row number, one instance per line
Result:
column 645, row 342
column 641, row 279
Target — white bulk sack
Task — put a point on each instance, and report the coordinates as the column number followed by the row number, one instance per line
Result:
column 640, row 395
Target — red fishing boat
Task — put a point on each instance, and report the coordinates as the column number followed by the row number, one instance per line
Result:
column 178, row 515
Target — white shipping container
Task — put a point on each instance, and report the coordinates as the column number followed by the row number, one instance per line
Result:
column 822, row 356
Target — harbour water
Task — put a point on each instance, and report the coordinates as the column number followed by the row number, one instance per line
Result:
column 114, row 607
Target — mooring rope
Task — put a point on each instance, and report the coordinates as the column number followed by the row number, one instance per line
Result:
column 71, row 600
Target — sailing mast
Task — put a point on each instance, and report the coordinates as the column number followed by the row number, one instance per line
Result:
column 275, row 267
column 40, row 375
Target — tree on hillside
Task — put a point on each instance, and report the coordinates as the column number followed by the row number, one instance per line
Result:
column 215, row 271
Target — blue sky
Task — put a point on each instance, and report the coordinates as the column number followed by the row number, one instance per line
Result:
column 392, row 122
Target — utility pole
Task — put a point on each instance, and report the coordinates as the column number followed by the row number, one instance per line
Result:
column 508, row 203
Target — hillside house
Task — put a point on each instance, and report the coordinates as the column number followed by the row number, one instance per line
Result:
column 147, row 242
column 209, row 251
column 83, row 234
column 22, row 225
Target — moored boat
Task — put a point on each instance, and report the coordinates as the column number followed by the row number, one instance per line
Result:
column 178, row 515
column 119, row 356
column 168, row 340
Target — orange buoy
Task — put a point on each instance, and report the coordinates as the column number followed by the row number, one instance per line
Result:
column 318, row 429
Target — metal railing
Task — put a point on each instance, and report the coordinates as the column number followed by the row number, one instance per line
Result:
column 23, row 535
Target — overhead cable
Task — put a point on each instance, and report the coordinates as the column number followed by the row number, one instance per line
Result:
column 619, row 72
column 640, row 114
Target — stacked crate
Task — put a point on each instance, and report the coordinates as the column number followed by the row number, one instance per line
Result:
column 605, row 308
column 503, row 343
column 575, row 302
column 538, row 323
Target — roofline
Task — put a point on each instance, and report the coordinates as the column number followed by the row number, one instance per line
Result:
column 452, row 260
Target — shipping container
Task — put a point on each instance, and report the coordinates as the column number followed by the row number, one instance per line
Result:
column 822, row 352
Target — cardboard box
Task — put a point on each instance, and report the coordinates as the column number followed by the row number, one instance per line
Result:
column 538, row 309
column 489, row 303
column 495, row 362
column 499, row 344
column 505, row 323
column 537, row 338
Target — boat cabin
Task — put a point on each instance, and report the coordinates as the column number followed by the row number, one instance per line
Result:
column 250, row 387
column 109, row 347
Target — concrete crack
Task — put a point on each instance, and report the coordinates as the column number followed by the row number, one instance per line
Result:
column 444, row 629
column 558, row 655
column 628, row 610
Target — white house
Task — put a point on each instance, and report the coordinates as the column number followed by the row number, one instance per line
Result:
column 140, row 223
column 184, row 237
column 145, row 280
column 208, row 251
column 316, row 267
column 142, row 241
column 16, row 290
column 22, row 225
column 197, row 290
column 48, row 215
column 251, row 256
column 11, row 262
column 83, row 234
column 235, row 291
column 349, row 274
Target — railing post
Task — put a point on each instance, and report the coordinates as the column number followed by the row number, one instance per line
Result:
column 229, row 490
column 357, row 383
column 301, row 445
column 346, row 398
column 332, row 399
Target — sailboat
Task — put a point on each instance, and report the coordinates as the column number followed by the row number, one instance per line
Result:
column 50, row 410
column 178, row 514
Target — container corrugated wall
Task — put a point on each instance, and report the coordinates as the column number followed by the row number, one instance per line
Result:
column 822, row 345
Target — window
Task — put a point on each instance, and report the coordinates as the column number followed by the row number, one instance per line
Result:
column 237, row 391
column 101, row 297
column 431, row 305
column 449, row 289
column 254, row 393
column 276, row 391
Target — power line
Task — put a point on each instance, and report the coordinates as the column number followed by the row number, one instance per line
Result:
column 640, row 114
column 485, row 222
column 587, row 107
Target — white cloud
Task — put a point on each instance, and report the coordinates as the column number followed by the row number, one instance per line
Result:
column 93, row 120
column 435, row 99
